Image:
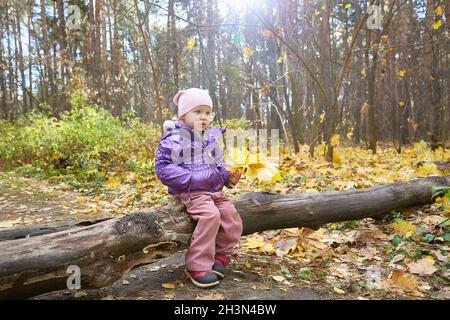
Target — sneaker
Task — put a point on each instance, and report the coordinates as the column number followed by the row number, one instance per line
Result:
column 202, row 279
column 219, row 270
column 219, row 265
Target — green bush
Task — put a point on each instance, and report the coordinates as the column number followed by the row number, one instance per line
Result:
column 84, row 144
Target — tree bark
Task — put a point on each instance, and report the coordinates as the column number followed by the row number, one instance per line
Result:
column 3, row 94
column 19, row 57
column 47, row 60
column 105, row 251
column 105, row 61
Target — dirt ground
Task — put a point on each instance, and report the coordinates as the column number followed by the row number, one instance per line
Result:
column 146, row 282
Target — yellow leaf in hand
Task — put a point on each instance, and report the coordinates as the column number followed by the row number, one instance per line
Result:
column 264, row 172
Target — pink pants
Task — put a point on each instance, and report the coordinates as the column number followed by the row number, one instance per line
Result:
column 218, row 230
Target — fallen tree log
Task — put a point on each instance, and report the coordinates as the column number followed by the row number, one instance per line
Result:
column 37, row 230
column 106, row 250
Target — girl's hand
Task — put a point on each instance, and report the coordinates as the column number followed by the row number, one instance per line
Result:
column 234, row 177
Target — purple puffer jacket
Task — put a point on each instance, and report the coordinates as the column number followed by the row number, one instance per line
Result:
column 205, row 172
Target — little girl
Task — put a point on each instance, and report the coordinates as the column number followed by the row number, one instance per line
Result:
column 197, row 180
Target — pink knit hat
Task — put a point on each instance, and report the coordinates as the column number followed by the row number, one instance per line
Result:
column 186, row 100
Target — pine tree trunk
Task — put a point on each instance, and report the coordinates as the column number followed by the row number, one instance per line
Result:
column 49, row 77
column 30, row 56
column 4, row 105
column 21, row 64
column 105, row 62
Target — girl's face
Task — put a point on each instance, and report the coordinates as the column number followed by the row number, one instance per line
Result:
column 198, row 118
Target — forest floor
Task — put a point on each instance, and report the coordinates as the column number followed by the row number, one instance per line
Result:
column 333, row 262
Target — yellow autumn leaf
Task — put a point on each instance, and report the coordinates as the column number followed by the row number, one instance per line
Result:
column 427, row 169
column 404, row 280
column 384, row 39
column 401, row 104
column 254, row 242
column 112, row 182
column 87, row 211
column 401, row 73
column 311, row 184
column 191, row 43
column 266, row 33
column 263, row 171
column 350, row 133
column 338, row 290
column 438, row 11
column 437, row 24
column 168, row 285
column 404, row 228
column 363, row 73
column 248, row 52
column 316, row 13
column 334, row 140
column 336, row 158
column 262, row 174
column 322, row 117
column 320, row 149
column 282, row 58
column 348, row 6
